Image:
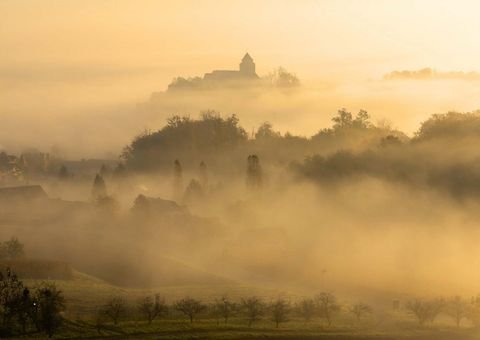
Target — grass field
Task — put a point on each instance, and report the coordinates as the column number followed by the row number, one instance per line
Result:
column 237, row 329
column 84, row 294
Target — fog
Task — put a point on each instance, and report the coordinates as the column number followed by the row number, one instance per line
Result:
column 96, row 118
column 142, row 149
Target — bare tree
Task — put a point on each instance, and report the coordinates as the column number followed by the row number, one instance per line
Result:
column 190, row 307
column 152, row 308
column 224, row 308
column 425, row 311
column 327, row 306
column 360, row 309
column 115, row 309
column 280, row 310
column 458, row 309
column 307, row 309
column 253, row 308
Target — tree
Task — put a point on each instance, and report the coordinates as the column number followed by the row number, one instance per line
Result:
column 451, row 125
column 224, row 308
column 11, row 292
column 327, row 306
column 265, row 132
column 115, row 309
column 12, row 249
column 190, row 307
column 342, row 119
column 184, row 138
column 50, row 303
column 458, row 309
column 307, row 309
column 253, row 308
column 280, row 77
column 26, row 309
column 254, row 172
column 177, row 179
column 280, row 310
column 425, row 311
column 99, row 188
column 360, row 309
column 362, row 120
column 203, row 175
column 194, row 192
column 63, row 173
column 390, row 140
column 151, row 308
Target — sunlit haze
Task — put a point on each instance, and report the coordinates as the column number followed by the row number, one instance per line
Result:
column 233, row 169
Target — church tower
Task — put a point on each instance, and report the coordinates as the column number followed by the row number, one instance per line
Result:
column 247, row 66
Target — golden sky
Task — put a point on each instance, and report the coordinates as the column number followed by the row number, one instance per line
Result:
column 371, row 36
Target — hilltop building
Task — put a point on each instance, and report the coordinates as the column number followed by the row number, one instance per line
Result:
column 245, row 74
column 246, row 70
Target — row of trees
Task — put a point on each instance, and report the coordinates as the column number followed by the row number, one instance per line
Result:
column 252, row 309
column 324, row 306
column 196, row 189
column 459, row 309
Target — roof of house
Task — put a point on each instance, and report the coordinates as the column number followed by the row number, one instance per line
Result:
column 247, row 57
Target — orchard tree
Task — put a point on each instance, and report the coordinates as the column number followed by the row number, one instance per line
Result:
column 360, row 309
column 190, row 307
column 115, row 309
column 280, row 310
column 224, row 308
column 253, row 309
column 425, row 311
column 458, row 309
column 327, row 306
column 152, row 308
column 307, row 309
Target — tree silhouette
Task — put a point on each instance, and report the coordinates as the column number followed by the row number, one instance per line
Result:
column 327, row 306
column 253, row 309
column 360, row 309
column 254, row 172
column 224, row 308
column 152, row 308
column 50, row 304
column 203, row 174
column 99, row 189
column 177, row 180
column 458, row 309
column 115, row 309
column 63, row 173
column 307, row 309
column 190, row 307
column 280, row 310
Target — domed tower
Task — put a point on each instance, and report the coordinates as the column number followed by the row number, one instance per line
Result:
column 247, row 66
